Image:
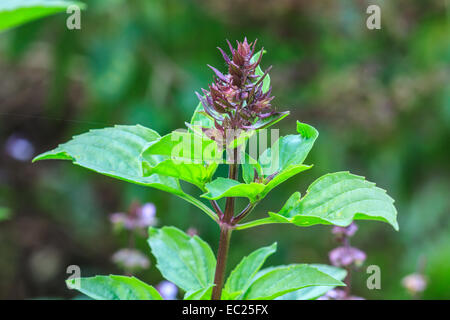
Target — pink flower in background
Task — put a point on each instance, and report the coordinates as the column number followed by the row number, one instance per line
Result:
column 139, row 217
column 415, row 283
column 346, row 256
column 130, row 259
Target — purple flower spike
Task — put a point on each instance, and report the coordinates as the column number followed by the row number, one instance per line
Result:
column 236, row 100
column 347, row 256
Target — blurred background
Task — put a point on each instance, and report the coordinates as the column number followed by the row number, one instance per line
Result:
column 380, row 99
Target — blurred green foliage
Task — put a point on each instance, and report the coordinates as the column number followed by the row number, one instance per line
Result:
column 380, row 99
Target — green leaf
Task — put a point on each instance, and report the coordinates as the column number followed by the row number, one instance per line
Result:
column 289, row 151
column 224, row 187
column 186, row 261
column 186, row 147
column 196, row 174
column 339, row 198
column 14, row 13
column 114, row 152
column 335, row 198
column 186, row 156
column 200, row 294
column 274, row 282
column 114, row 288
column 315, row 292
column 242, row 275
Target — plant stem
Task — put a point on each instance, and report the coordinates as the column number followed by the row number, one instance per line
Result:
column 225, row 234
column 224, row 244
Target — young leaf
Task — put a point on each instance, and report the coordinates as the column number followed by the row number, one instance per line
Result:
column 186, row 261
column 224, row 187
column 315, row 292
column 241, row 277
column 279, row 165
column 14, row 13
column 288, row 151
column 196, row 174
column 114, row 288
column 114, row 152
column 280, row 280
column 186, row 156
column 336, row 198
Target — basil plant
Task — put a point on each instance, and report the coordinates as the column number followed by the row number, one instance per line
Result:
column 229, row 123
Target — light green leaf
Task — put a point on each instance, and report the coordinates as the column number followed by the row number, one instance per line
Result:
column 114, row 288
column 272, row 283
column 242, row 275
column 186, row 156
column 289, row 151
column 114, row 152
column 315, row 292
column 186, row 261
column 186, row 147
column 196, row 174
column 14, row 13
column 200, row 294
